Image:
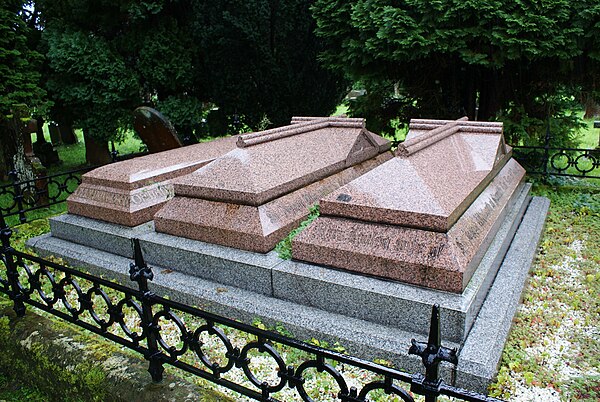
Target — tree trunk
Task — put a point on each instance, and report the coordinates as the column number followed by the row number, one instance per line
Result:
column 13, row 151
column 96, row 151
column 592, row 108
column 67, row 133
column 489, row 97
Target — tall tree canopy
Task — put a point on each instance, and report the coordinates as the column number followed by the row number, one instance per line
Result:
column 20, row 90
column 254, row 58
column 259, row 58
column 19, row 63
column 481, row 58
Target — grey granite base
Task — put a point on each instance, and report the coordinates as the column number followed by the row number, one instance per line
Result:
column 217, row 292
column 403, row 306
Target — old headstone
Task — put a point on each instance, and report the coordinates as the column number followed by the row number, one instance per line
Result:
column 155, row 130
column 251, row 197
column 425, row 217
column 130, row 192
column 54, row 133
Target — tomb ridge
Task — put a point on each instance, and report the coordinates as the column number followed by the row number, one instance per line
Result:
column 349, row 120
column 424, row 140
column 299, row 127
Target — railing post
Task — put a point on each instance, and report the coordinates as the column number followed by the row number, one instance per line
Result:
column 547, row 149
column 14, row 178
column 141, row 273
column 114, row 154
column 431, row 353
column 12, row 274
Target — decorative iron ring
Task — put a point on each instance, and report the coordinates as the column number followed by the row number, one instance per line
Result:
column 30, row 195
column 38, row 277
column 58, row 186
column 594, row 162
column 173, row 352
column 267, row 348
column 29, row 273
column 66, row 281
column 218, row 332
column 555, row 157
column 127, row 301
column 320, row 366
column 95, row 290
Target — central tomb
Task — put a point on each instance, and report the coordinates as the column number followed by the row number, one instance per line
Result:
column 445, row 220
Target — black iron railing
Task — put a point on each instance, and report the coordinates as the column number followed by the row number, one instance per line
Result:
column 138, row 319
column 20, row 197
column 547, row 161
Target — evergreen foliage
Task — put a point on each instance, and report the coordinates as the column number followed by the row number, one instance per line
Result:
column 19, row 64
column 255, row 59
column 259, row 58
column 481, row 58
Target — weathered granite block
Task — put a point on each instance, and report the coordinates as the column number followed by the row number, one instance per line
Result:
column 251, row 197
column 98, row 234
column 437, row 260
column 425, row 217
column 130, row 192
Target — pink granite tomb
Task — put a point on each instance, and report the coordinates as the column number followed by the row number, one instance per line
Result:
column 251, row 197
column 130, row 192
column 426, row 216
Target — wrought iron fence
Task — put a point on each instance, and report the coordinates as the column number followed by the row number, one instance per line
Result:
column 20, row 197
column 138, row 319
column 572, row 162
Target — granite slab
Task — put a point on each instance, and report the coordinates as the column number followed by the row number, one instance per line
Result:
column 429, row 189
column 248, row 227
column 438, row 260
column 101, row 235
column 131, row 191
column 272, row 163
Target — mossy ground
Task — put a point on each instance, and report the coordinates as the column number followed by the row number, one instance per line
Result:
column 553, row 351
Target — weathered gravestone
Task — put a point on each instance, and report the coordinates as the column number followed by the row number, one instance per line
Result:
column 130, row 192
column 155, row 130
column 425, row 217
column 251, row 197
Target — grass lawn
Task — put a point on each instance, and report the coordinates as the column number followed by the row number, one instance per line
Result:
column 589, row 135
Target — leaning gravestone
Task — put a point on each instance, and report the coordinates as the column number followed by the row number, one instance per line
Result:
column 251, row 197
column 155, row 130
